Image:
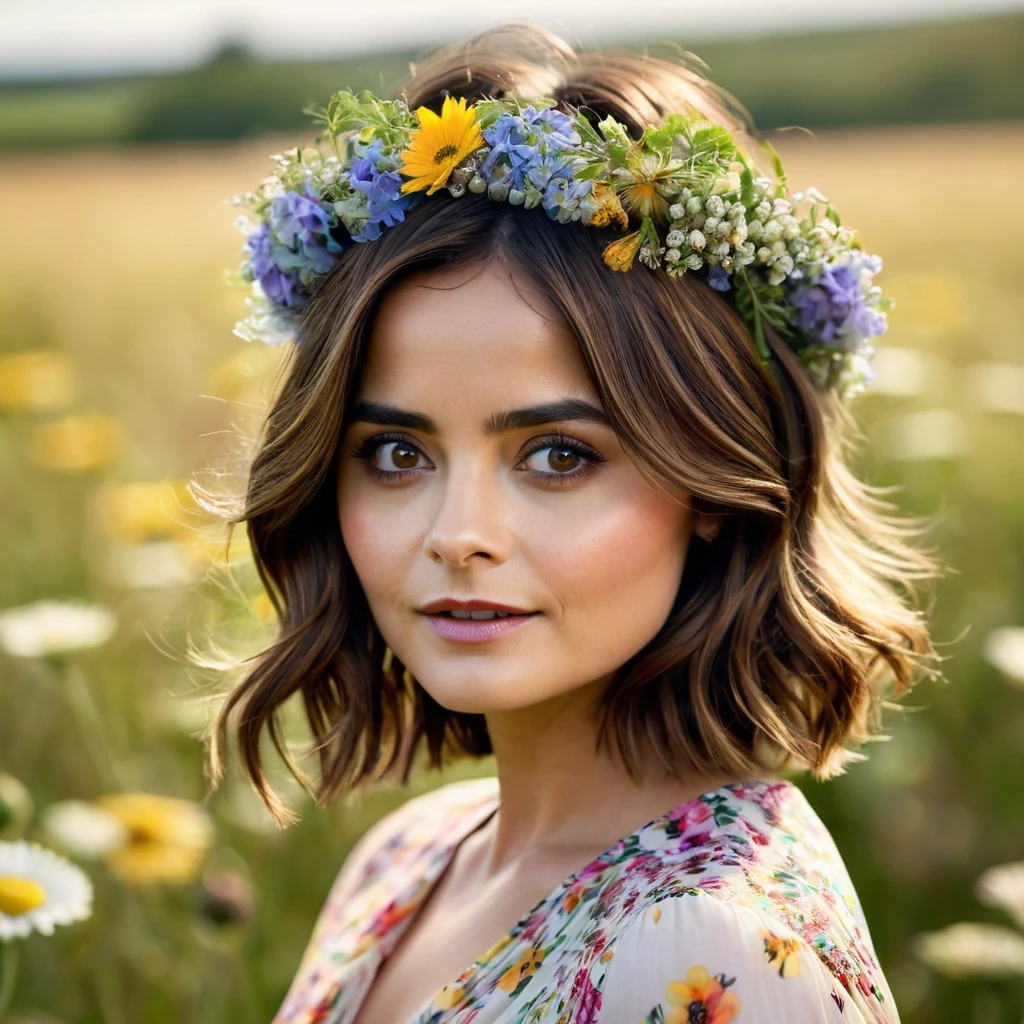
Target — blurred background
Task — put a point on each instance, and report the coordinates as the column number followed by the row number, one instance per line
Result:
column 123, row 128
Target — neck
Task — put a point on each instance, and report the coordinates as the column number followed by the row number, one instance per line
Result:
column 559, row 794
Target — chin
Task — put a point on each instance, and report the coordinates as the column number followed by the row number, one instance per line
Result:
column 486, row 694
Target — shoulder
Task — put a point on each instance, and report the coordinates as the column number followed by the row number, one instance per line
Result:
column 427, row 817
column 699, row 949
column 743, row 903
column 367, row 884
column 409, row 830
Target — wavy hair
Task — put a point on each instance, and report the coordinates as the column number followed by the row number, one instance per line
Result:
column 787, row 630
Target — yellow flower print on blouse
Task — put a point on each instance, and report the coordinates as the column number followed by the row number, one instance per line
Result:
column 524, row 967
column 782, row 951
column 449, row 996
column 701, row 998
column 496, row 948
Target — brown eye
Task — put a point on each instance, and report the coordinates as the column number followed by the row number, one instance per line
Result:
column 558, row 459
column 398, row 455
column 563, row 460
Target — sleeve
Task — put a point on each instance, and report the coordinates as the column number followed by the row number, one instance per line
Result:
column 355, row 872
column 696, row 959
column 315, row 985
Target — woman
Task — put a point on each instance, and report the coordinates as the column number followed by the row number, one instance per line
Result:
column 556, row 475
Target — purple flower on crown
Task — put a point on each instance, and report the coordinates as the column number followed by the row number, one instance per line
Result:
column 719, row 279
column 301, row 226
column 839, row 308
column 377, row 179
column 280, row 287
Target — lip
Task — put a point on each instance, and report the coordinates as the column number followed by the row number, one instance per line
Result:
column 474, row 631
column 447, row 604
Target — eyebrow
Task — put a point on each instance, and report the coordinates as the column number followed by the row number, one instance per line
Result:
column 498, row 423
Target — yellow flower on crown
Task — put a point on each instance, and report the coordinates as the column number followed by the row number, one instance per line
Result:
column 619, row 255
column 609, row 211
column 439, row 145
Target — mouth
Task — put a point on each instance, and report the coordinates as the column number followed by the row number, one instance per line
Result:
column 482, row 616
column 477, row 626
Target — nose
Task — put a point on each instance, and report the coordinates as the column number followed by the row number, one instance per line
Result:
column 471, row 517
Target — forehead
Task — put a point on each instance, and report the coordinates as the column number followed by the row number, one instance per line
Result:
column 471, row 335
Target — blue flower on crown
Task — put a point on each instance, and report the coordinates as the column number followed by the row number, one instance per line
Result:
column 563, row 198
column 840, row 307
column 377, row 178
column 529, row 146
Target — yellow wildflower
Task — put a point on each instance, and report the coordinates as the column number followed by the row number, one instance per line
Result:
column 166, row 838
column 263, row 608
column 440, row 145
column 609, row 209
column 76, row 444
column 619, row 255
column 148, row 510
column 36, row 380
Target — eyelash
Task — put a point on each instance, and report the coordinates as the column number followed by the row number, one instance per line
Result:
column 365, row 450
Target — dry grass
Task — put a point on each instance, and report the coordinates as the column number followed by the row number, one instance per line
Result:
column 116, row 258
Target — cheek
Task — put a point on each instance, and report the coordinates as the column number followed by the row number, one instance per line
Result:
column 374, row 546
column 617, row 569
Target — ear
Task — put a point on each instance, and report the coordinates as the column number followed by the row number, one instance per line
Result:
column 706, row 525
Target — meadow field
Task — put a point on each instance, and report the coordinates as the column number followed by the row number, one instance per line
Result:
column 120, row 377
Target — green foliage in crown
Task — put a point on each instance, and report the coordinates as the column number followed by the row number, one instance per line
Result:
column 685, row 196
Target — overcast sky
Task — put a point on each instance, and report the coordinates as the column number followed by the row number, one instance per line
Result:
column 48, row 37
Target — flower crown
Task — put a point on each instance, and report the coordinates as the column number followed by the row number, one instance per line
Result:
column 685, row 195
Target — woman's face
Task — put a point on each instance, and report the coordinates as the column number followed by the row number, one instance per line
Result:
column 476, row 468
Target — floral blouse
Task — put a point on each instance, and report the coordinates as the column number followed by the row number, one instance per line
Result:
column 734, row 906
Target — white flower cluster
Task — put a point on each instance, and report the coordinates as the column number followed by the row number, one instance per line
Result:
column 720, row 230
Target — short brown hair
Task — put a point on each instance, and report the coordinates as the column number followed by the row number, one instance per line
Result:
column 786, row 628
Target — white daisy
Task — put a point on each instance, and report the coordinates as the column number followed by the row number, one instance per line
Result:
column 82, row 829
column 1003, row 886
column 1004, row 650
column 970, row 948
column 55, row 627
column 39, row 889
column 153, row 563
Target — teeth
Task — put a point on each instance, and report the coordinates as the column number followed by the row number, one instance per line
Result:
column 455, row 614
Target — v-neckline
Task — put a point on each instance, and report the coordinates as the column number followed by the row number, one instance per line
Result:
column 446, row 851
